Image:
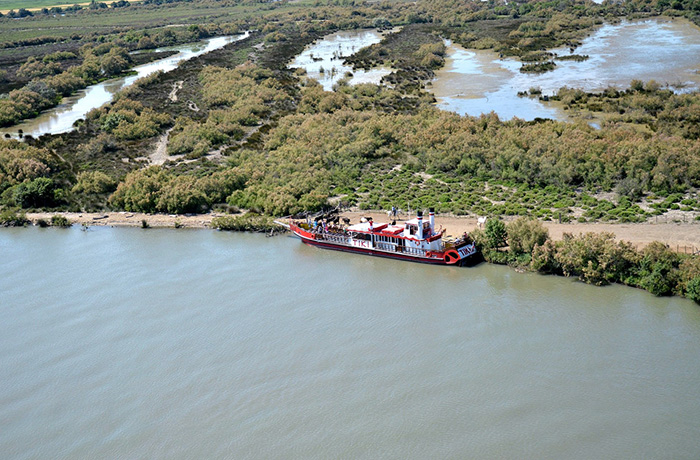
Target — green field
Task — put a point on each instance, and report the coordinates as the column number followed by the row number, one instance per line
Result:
column 105, row 21
column 7, row 5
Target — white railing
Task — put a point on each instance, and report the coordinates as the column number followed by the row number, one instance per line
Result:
column 386, row 246
column 336, row 238
column 415, row 251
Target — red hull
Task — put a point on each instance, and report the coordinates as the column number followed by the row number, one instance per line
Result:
column 449, row 257
column 372, row 252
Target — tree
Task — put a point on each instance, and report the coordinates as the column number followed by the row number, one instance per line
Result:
column 495, row 233
column 657, row 269
column 524, row 234
column 94, row 182
column 693, row 290
column 35, row 193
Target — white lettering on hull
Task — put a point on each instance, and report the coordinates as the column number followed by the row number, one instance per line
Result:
column 466, row 251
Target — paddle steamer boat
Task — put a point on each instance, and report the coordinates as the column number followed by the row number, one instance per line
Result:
column 415, row 240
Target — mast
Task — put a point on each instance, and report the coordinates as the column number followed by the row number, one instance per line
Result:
column 419, row 217
column 432, row 221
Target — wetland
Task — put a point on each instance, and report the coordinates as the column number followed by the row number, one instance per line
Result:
column 324, row 59
column 243, row 130
column 480, row 81
column 62, row 118
column 188, row 343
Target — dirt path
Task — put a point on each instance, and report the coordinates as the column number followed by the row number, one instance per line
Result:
column 176, row 87
column 160, row 154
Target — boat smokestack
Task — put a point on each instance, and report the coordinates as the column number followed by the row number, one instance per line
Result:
column 419, row 217
column 432, row 221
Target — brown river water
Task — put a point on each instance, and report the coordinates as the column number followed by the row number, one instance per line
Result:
column 131, row 343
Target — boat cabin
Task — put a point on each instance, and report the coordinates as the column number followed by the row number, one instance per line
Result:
column 414, row 233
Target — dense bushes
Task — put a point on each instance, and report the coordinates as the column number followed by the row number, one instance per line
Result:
column 98, row 63
column 24, row 176
column 249, row 222
column 94, row 183
column 20, row 162
column 11, row 217
column 594, row 258
column 129, row 120
column 648, row 104
column 35, row 193
column 538, row 164
column 156, row 190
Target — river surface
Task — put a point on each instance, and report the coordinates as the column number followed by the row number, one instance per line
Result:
column 329, row 52
column 131, row 343
column 475, row 82
column 60, row 119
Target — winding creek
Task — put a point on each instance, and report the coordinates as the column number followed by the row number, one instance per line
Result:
column 61, row 118
column 131, row 343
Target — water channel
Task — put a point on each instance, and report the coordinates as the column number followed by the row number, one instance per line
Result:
column 61, row 118
column 668, row 51
column 131, row 343
column 323, row 59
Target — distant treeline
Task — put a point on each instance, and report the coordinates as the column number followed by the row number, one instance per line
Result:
column 24, row 13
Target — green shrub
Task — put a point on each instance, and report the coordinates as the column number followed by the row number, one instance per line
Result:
column 693, row 290
column 140, row 190
column 13, row 218
column 58, row 220
column 249, row 222
column 595, row 258
column 657, row 270
column 36, row 193
column 544, row 258
column 524, row 234
column 94, row 182
column 182, row 195
column 495, row 233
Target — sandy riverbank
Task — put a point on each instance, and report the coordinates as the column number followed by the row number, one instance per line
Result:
column 682, row 237
column 130, row 219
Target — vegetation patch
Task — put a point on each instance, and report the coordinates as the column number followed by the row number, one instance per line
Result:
column 594, row 258
column 249, row 222
column 11, row 217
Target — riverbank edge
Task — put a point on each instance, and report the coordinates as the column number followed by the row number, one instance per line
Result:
column 454, row 225
column 683, row 237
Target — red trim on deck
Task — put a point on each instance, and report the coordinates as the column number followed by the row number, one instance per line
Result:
column 372, row 252
column 449, row 257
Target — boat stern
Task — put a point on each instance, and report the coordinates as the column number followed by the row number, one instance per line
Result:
column 456, row 255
